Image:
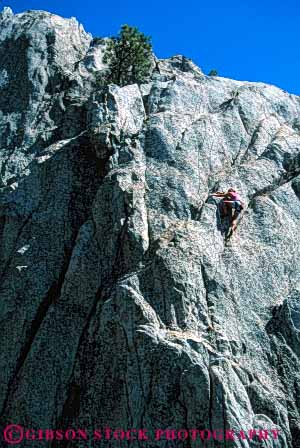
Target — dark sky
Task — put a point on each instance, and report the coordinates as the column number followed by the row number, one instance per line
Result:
column 242, row 39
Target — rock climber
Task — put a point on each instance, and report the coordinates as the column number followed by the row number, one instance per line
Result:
column 231, row 205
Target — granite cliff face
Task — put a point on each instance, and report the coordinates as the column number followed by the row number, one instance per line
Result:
column 121, row 304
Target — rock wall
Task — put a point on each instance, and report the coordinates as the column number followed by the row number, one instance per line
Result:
column 122, row 304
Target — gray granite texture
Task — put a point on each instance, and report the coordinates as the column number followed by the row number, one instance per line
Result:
column 122, row 305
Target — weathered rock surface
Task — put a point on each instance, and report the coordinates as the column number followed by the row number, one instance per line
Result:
column 121, row 304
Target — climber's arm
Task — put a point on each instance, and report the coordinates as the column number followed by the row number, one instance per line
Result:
column 219, row 194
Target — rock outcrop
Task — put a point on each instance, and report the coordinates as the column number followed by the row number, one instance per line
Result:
column 122, row 305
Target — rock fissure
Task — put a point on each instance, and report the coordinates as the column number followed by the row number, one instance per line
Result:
column 51, row 298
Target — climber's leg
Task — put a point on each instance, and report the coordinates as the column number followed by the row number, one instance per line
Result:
column 234, row 222
column 237, row 210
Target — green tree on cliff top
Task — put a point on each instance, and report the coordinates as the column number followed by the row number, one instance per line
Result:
column 129, row 57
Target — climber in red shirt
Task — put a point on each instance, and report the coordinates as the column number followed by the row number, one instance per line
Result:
column 231, row 205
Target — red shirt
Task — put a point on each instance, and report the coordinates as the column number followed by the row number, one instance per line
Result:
column 234, row 196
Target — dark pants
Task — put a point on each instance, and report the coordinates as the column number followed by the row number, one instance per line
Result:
column 228, row 206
